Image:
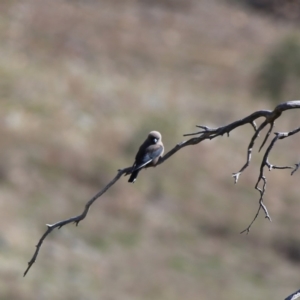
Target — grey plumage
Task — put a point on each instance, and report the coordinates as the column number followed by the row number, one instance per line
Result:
column 148, row 155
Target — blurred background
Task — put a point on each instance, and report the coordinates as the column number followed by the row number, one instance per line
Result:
column 82, row 83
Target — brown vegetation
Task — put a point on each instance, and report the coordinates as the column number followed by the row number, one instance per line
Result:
column 81, row 83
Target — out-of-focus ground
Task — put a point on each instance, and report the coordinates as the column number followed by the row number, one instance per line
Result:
column 81, row 85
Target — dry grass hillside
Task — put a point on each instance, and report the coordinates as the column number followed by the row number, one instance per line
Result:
column 81, row 85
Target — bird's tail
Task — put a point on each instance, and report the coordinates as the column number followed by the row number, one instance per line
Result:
column 133, row 176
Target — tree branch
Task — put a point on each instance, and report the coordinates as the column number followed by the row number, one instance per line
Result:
column 75, row 219
column 205, row 133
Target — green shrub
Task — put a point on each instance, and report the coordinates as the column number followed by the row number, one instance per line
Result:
column 279, row 76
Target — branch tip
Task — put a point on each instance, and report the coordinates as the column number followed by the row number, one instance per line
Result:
column 236, row 176
column 296, row 168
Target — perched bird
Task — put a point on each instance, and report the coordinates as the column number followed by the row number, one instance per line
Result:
column 148, row 155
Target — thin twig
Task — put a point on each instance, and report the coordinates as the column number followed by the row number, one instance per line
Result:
column 267, row 136
column 296, row 168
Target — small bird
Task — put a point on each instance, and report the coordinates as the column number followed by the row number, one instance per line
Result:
column 148, row 155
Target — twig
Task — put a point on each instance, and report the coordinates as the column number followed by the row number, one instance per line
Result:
column 296, row 168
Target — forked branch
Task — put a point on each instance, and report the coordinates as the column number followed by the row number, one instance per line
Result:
column 206, row 133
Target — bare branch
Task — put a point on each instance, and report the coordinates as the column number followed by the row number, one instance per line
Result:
column 249, row 151
column 267, row 136
column 75, row 219
column 261, row 177
column 205, row 133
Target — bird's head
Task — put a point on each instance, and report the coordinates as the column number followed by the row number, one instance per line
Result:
column 154, row 137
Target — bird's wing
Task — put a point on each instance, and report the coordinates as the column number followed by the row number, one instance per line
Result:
column 147, row 158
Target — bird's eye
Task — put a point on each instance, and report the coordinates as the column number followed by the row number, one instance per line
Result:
column 155, row 140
